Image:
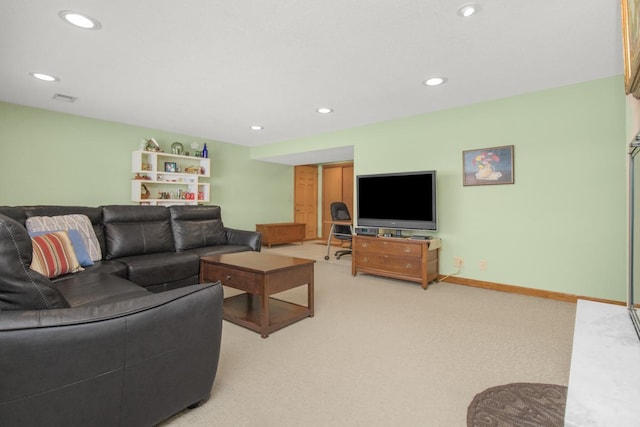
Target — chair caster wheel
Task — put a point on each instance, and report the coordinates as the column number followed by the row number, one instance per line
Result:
column 326, row 257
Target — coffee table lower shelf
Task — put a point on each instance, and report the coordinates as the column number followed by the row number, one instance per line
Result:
column 245, row 310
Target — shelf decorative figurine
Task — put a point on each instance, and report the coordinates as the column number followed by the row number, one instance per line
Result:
column 177, row 148
column 152, row 145
column 145, row 193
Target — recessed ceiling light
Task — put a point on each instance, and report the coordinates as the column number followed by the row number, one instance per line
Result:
column 256, row 127
column 324, row 110
column 44, row 77
column 79, row 20
column 467, row 9
column 435, row 81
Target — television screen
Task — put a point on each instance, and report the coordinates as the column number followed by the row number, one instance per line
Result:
column 405, row 200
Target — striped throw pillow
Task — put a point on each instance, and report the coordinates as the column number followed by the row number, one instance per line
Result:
column 53, row 255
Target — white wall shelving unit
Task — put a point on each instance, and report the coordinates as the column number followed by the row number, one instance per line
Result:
column 170, row 179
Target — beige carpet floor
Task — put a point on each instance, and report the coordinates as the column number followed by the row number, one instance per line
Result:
column 383, row 352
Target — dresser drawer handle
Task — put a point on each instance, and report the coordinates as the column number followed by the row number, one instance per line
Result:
column 408, row 266
column 365, row 244
column 228, row 277
column 408, row 250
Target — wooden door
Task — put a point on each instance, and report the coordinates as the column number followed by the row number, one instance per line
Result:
column 305, row 199
column 337, row 186
column 347, row 187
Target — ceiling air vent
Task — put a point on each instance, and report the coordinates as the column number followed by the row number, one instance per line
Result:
column 65, row 98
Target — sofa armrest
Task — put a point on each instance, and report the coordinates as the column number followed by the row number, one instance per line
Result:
column 133, row 362
column 253, row 239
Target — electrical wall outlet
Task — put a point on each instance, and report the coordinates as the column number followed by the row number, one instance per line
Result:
column 483, row 265
column 458, row 261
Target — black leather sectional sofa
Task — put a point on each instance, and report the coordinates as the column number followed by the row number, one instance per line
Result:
column 129, row 341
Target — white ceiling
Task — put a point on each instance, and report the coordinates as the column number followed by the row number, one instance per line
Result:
column 213, row 68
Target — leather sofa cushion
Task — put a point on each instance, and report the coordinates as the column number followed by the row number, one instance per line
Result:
column 161, row 268
column 20, row 287
column 93, row 213
column 108, row 267
column 137, row 230
column 98, row 288
column 220, row 249
column 134, row 362
column 14, row 212
column 164, row 287
column 197, row 226
column 252, row 239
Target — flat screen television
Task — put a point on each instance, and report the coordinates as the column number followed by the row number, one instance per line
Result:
column 404, row 200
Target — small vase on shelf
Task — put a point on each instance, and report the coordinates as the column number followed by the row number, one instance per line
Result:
column 205, row 152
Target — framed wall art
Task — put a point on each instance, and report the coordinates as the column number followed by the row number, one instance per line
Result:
column 631, row 46
column 488, row 166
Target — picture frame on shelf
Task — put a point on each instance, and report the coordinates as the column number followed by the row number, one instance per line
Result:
column 488, row 166
column 170, row 167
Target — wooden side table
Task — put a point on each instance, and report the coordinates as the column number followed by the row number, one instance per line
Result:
column 283, row 232
column 260, row 275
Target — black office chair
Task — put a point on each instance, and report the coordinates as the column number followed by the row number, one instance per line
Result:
column 340, row 212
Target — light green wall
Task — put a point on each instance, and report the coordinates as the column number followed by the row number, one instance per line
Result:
column 55, row 158
column 560, row 227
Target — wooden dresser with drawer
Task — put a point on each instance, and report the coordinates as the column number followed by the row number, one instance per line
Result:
column 398, row 258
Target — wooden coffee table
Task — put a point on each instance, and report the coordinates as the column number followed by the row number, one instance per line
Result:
column 260, row 275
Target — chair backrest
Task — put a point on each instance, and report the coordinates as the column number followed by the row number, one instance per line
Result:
column 340, row 212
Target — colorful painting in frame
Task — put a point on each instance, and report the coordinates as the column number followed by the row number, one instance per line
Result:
column 631, row 46
column 488, row 166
